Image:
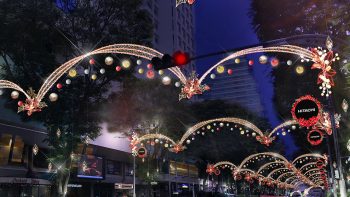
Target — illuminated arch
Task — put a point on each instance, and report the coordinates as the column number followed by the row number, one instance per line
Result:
column 298, row 192
column 304, row 167
column 285, row 124
column 261, row 155
column 285, row 174
column 291, row 178
column 313, row 156
column 271, row 174
column 270, row 164
column 225, row 163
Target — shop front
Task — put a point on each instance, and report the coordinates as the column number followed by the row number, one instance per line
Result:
column 20, row 187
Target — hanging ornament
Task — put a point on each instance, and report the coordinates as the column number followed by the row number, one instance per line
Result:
column 72, row 73
column 102, row 71
column 251, row 62
column 20, row 103
column 237, row 61
column 35, row 149
column 188, row 141
column 86, row 71
column 1, row 92
column 212, row 76
column 68, row 81
column 263, row 59
column 93, row 76
column 108, row 61
column 140, row 71
column 118, row 68
column 59, row 86
column 345, row 105
column 177, row 84
column 14, row 94
column 91, row 61
column 275, row 62
column 138, row 62
column 149, row 66
column 53, row 97
column 166, row 80
column 150, row 74
column 126, row 64
column 230, row 71
column 58, row 133
column 161, row 72
column 289, row 62
column 299, row 69
column 220, row 69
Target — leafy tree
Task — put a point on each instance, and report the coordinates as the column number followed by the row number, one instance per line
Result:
column 36, row 37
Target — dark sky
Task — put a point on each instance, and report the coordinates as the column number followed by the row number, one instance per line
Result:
column 225, row 24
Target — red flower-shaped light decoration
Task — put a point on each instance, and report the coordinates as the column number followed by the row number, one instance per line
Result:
column 323, row 60
column 177, row 148
column 266, row 140
column 31, row 104
column 210, row 169
column 192, row 87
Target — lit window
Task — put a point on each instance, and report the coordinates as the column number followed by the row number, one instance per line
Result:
column 5, row 146
column 17, row 150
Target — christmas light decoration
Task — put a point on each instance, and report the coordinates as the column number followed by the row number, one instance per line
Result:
column 35, row 149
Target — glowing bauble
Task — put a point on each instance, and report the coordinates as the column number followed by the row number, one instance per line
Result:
column 72, row 73
column 250, row 62
column 166, row 80
column 108, row 61
column 294, row 127
column 14, row 95
column 53, row 97
column 160, row 72
column 150, row 74
column 149, row 66
column 177, row 84
column 68, row 81
column 299, row 69
column 139, row 62
column 156, row 140
column 93, row 76
column 230, row 71
column 86, row 71
column 92, row 61
column 289, row 62
column 126, row 64
column 237, row 61
column 212, row 76
column 188, row 141
column 140, row 71
column 275, row 62
column 102, row 71
column 220, row 69
column 118, row 68
column 59, row 86
column 263, row 59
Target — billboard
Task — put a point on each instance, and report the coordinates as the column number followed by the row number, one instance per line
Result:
column 90, row 167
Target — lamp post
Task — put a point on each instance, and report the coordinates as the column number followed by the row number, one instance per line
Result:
column 134, row 181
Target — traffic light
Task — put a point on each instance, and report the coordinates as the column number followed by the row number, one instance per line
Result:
column 178, row 59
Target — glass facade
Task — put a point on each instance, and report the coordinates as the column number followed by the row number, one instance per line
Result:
column 5, row 147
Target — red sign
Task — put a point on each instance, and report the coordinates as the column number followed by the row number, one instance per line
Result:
column 306, row 110
column 315, row 137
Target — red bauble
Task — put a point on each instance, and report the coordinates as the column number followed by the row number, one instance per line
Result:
column 230, row 71
column 118, row 68
column 190, row 1
column 251, row 62
column 150, row 74
column 275, row 62
column 149, row 66
column 20, row 103
column 59, row 86
column 92, row 61
column 181, row 58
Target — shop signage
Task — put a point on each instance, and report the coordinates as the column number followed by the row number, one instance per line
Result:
column 306, row 111
column 315, row 137
column 123, row 186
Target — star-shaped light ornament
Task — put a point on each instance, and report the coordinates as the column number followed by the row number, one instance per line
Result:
column 323, row 59
column 345, row 105
column 265, row 139
column 31, row 104
column 192, row 87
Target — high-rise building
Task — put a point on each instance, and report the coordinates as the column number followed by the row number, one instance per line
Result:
column 239, row 88
column 173, row 27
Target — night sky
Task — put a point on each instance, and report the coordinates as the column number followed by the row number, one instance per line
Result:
column 222, row 25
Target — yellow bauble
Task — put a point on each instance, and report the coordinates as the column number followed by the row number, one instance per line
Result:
column 126, row 63
column 72, row 73
column 220, row 69
column 140, row 70
column 237, row 61
column 160, row 72
column 299, row 70
column 94, row 77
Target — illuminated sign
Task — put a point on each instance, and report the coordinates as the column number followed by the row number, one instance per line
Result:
column 306, row 110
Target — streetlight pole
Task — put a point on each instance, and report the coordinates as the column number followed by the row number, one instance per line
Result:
column 134, row 181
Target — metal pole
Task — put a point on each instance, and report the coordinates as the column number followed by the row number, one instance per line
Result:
column 134, row 188
column 334, row 186
column 342, row 186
